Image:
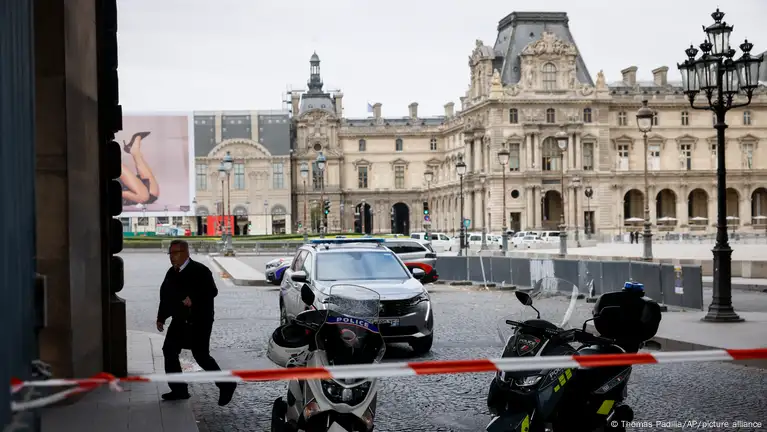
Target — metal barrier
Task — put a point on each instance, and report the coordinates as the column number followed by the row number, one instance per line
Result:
column 673, row 285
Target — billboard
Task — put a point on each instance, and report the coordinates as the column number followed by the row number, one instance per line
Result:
column 156, row 176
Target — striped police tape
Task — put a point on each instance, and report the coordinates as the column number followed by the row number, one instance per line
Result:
column 386, row 370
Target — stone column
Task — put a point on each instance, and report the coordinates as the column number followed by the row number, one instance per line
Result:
column 681, row 209
column 67, row 187
column 578, row 153
column 744, row 211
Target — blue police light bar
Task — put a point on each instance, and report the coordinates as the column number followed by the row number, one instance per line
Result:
column 347, row 240
column 633, row 286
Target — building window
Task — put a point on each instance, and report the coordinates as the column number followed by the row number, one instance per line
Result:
column 622, row 118
column 686, row 156
column 714, row 157
column 747, row 118
column 513, row 116
column 398, row 144
column 549, row 77
column 363, row 145
column 239, row 176
column 588, row 156
column 587, row 115
column 551, row 155
column 433, row 144
column 362, row 177
column 685, row 118
column 318, row 176
column 201, row 177
column 514, row 158
column 653, row 154
column 655, row 118
column 623, row 157
column 278, row 176
column 399, row 177
column 748, row 155
column 551, row 115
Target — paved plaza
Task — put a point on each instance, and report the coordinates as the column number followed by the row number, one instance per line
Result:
column 466, row 327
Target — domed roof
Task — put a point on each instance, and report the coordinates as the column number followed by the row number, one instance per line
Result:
column 315, row 57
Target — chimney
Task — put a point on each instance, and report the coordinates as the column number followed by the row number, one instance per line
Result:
column 449, row 109
column 377, row 110
column 630, row 75
column 295, row 103
column 413, row 107
column 339, row 100
column 660, row 76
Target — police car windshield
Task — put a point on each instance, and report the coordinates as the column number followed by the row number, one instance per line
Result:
column 359, row 265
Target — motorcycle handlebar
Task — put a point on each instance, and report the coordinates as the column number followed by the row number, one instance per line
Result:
column 576, row 335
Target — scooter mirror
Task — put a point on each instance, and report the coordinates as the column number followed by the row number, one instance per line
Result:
column 307, row 296
column 524, row 298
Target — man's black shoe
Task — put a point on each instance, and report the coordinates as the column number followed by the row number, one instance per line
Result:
column 226, row 393
column 175, row 396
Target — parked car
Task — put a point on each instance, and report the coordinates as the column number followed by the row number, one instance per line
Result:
column 440, row 242
column 431, row 273
column 529, row 240
column 274, row 274
column 517, row 238
column 411, row 250
column 277, row 262
column 406, row 311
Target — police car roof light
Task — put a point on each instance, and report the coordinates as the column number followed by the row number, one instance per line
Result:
column 633, row 286
column 347, row 241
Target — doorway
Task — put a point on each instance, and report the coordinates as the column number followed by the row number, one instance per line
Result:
column 400, row 219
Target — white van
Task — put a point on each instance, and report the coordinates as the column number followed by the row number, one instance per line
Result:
column 550, row 236
column 440, row 242
column 519, row 236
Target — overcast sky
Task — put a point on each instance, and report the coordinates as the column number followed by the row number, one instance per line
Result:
column 244, row 54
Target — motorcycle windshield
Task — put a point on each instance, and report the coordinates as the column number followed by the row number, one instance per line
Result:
column 555, row 298
column 349, row 334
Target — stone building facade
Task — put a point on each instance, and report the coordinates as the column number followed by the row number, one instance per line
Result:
column 259, row 182
column 528, row 87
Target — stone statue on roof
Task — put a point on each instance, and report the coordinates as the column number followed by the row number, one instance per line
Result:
column 601, row 85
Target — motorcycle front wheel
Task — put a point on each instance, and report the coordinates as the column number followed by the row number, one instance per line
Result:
column 279, row 410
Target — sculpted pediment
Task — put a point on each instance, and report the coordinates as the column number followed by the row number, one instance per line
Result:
column 317, row 115
column 361, row 162
column 549, row 43
column 589, row 137
column 748, row 138
column 433, row 162
column 400, row 161
column 686, row 139
column 515, row 138
column 239, row 149
column 623, row 139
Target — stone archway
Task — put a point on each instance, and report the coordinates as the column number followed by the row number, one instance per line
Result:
column 665, row 205
column 551, row 213
column 633, row 205
column 400, row 219
column 733, row 207
column 759, row 207
column 697, row 207
column 363, row 218
column 201, row 217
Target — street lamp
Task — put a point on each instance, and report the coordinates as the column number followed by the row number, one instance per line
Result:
column 562, row 144
column 589, row 192
column 194, row 215
column 576, row 185
column 321, row 166
column 304, row 176
column 644, row 123
column 429, row 176
column 503, row 159
column 223, row 174
column 266, row 217
column 720, row 79
column 460, row 168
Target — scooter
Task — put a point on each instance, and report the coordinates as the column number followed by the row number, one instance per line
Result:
column 588, row 399
column 343, row 333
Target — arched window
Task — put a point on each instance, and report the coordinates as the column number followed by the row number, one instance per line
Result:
column 398, row 144
column 240, row 211
column 363, row 145
column 550, row 155
column 202, row 211
column 549, row 73
column 551, row 115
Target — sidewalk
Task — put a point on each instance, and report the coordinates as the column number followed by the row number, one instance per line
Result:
column 240, row 273
column 137, row 409
column 740, row 283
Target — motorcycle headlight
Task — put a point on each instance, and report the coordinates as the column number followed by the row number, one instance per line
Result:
column 338, row 394
column 528, row 381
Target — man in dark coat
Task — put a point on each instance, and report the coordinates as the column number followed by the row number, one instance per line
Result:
column 186, row 296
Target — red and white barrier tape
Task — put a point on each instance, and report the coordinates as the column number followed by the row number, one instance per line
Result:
column 385, row 370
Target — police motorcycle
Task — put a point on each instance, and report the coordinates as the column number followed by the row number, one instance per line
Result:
column 344, row 333
column 587, row 399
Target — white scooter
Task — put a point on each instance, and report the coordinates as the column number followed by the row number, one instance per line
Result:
column 341, row 332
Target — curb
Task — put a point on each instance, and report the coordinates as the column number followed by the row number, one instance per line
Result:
column 478, row 286
column 741, row 287
column 239, row 282
column 668, row 344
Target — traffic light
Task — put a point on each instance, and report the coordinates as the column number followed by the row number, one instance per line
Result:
column 327, row 207
column 426, row 208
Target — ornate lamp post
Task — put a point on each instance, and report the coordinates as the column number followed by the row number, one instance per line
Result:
column 503, row 159
column 460, row 168
column 589, row 194
column 429, row 176
column 194, row 215
column 321, row 166
column 720, row 79
column 562, row 139
column 304, row 176
column 644, row 123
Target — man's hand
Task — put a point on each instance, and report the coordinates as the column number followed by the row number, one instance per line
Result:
column 160, row 326
column 187, row 302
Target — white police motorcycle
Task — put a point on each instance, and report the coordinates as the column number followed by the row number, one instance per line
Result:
column 343, row 333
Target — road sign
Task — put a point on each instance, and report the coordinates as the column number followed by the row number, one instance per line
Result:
column 427, row 218
column 466, row 223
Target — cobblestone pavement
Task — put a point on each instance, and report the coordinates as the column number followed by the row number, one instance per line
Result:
column 466, row 327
